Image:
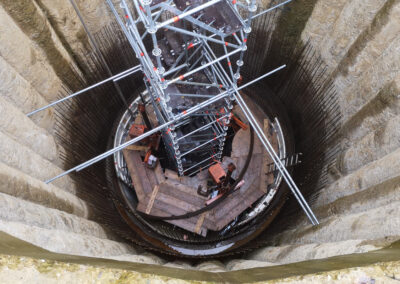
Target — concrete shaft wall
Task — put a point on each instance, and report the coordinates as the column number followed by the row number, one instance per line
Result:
column 360, row 42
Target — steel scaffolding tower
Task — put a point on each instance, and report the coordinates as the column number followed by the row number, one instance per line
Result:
column 181, row 69
column 191, row 53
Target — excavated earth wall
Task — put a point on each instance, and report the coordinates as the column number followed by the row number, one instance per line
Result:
column 42, row 44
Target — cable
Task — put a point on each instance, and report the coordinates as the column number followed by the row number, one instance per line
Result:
column 216, row 202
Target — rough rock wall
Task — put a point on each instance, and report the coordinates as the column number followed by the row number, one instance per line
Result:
column 35, row 66
column 359, row 40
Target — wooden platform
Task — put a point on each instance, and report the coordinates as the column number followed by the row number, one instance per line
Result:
column 166, row 194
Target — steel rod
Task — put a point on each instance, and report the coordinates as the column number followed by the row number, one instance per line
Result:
column 118, row 76
column 203, row 67
column 155, row 130
column 188, row 13
column 197, row 35
column 285, row 174
column 190, row 95
column 99, row 54
column 199, row 129
column 200, row 169
column 197, row 84
column 194, row 21
column 201, row 145
column 199, row 163
column 270, row 9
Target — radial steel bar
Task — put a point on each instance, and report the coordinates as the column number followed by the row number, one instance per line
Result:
column 270, row 9
column 190, row 95
column 188, row 13
column 196, row 62
column 276, row 160
column 201, row 145
column 157, row 129
column 199, row 163
column 199, row 129
column 197, row 35
column 200, row 169
column 172, row 70
column 194, row 21
column 115, row 77
column 203, row 67
column 285, row 174
column 99, row 54
column 198, row 84
column 139, row 138
column 124, row 76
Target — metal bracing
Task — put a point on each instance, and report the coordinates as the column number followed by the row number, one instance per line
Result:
column 159, row 82
column 267, row 145
column 187, row 79
column 159, row 128
column 117, row 77
column 132, row 70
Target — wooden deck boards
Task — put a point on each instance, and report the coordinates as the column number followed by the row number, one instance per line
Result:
column 166, row 194
column 138, row 174
column 187, row 224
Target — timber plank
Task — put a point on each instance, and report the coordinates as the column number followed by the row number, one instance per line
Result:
column 142, row 205
column 237, row 202
column 162, row 209
column 165, row 206
column 175, row 192
column 151, row 175
column 184, row 188
column 166, row 194
column 137, row 148
column 239, row 208
column 175, row 202
column 168, row 211
column 184, row 224
column 159, row 173
column 200, row 222
column 179, row 207
column 152, row 198
column 138, row 175
column 240, row 195
column 230, row 202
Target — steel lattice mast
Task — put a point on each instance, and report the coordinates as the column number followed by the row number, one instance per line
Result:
column 182, row 56
column 199, row 45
